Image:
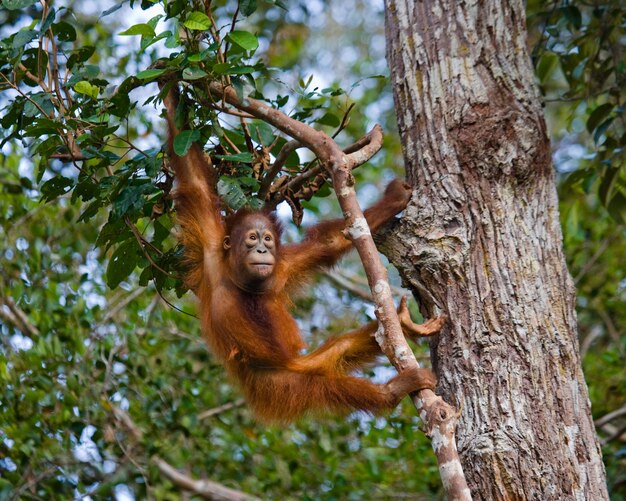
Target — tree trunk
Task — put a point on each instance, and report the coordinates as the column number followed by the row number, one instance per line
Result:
column 481, row 241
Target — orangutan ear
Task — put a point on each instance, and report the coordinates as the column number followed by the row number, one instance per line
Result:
column 226, row 242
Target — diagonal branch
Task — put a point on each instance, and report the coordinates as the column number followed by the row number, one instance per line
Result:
column 16, row 316
column 206, row 489
column 203, row 488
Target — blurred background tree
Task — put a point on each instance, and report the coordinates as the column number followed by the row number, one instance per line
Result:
column 90, row 309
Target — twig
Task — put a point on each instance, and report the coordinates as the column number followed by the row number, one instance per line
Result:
column 35, row 78
column 315, row 176
column 616, row 434
column 18, row 318
column 221, row 408
column 614, row 334
column 121, row 305
column 593, row 259
column 348, row 285
column 358, row 279
column 279, row 162
column 607, row 418
column 344, row 121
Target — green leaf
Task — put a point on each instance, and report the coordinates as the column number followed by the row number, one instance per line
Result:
column 80, row 55
column 38, row 101
column 261, row 133
column 244, row 157
column 18, row 4
column 546, row 65
column 573, row 15
column 132, row 197
column 598, row 115
column 617, row 208
column 150, row 74
column 55, row 187
column 230, row 191
column 142, row 29
column 240, row 70
column 244, row 39
column 601, row 129
column 43, row 126
column 247, row 7
column 113, row 232
column 220, row 68
column 184, row 140
column 64, row 31
column 607, row 185
column 193, row 73
column 197, row 21
column 23, row 37
column 244, row 85
column 48, row 21
column 329, row 119
column 91, row 210
column 122, row 263
column 84, row 87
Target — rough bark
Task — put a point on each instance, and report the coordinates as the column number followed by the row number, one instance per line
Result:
column 481, row 242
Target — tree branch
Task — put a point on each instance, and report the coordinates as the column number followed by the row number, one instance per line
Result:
column 206, row 489
column 221, row 408
column 16, row 316
column 607, row 418
column 203, row 488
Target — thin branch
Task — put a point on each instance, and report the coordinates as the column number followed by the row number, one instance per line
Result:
column 203, row 488
column 229, row 111
column 35, row 78
column 143, row 243
column 121, row 305
column 232, row 27
column 587, row 341
column 349, row 285
column 358, row 279
column 24, row 95
column 246, row 135
column 221, row 408
column 344, row 121
column 124, row 418
column 614, row 334
column 8, row 317
column 315, row 176
column 16, row 316
column 288, row 148
column 607, row 418
column 616, row 434
column 593, row 259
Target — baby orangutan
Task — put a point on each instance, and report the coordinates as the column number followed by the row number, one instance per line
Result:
column 243, row 275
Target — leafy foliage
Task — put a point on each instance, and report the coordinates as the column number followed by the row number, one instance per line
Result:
column 581, row 64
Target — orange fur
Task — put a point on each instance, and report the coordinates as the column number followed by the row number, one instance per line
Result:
column 253, row 334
